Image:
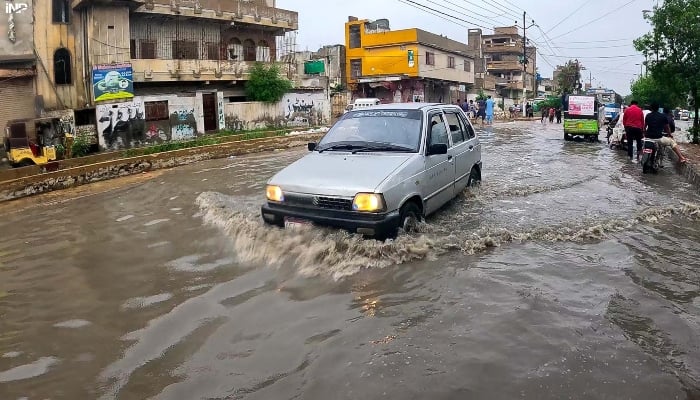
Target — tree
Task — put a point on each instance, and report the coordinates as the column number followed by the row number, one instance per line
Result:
column 265, row 83
column 673, row 43
column 481, row 95
column 647, row 89
column 568, row 78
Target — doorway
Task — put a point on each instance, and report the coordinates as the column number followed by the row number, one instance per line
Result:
column 211, row 119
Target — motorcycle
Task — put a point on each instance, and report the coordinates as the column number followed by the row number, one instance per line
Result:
column 617, row 138
column 653, row 154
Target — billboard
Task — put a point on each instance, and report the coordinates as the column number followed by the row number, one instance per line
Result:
column 112, row 82
column 581, row 105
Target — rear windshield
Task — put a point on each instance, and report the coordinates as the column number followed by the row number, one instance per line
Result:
column 395, row 127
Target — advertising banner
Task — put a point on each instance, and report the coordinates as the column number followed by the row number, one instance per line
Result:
column 581, row 105
column 411, row 59
column 112, row 82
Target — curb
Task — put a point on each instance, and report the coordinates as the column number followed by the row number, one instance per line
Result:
column 689, row 171
column 85, row 174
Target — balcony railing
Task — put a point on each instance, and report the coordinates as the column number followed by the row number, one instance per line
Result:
column 503, row 48
column 503, row 65
column 256, row 11
column 197, row 70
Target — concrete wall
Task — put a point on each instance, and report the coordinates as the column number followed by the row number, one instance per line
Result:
column 441, row 70
column 294, row 110
column 16, row 30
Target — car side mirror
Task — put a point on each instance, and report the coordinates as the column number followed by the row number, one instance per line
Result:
column 311, row 146
column 440, row 148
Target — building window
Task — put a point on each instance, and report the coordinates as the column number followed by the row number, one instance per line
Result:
column 62, row 67
column 249, row 50
column 356, row 68
column 262, row 52
column 450, row 62
column 185, row 50
column 156, row 110
column 212, row 51
column 61, row 11
column 148, row 49
column 235, row 50
column 429, row 58
column 467, row 66
column 355, row 36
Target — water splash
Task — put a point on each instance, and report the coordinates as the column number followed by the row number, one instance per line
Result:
column 337, row 253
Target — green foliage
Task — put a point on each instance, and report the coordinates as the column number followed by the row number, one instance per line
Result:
column 266, row 84
column 648, row 89
column 80, row 147
column 549, row 102
column 481, row 95
column 671, row 48
column 568, row 78
column 338, row 88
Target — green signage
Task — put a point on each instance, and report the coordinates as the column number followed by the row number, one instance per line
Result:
column 411, row 59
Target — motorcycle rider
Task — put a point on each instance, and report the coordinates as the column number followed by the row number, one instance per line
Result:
column 656, row 127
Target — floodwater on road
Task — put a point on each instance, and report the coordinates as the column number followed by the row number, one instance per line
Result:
column 568, row 274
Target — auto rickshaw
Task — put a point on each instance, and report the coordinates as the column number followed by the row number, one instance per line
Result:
column 34, row 141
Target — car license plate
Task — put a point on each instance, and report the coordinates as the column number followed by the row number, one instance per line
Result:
column 295, row 223
column 647, row 151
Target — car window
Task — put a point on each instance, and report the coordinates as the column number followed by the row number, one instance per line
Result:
column 468, row 129
column 438, row 133
column 456, row 128
column 370, row 127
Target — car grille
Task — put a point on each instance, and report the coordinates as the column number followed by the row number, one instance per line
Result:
column 333, row 203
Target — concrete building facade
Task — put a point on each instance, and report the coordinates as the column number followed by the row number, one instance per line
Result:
column 409, row 65
column 131, row 73
column 500, row 63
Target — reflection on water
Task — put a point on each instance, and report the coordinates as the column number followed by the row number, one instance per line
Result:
column 568, row 274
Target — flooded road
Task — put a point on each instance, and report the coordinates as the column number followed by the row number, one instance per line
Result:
column 568, row 274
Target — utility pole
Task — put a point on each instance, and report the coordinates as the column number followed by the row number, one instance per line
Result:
column 525, row 61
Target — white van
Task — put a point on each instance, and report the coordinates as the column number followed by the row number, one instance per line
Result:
column 363, row 103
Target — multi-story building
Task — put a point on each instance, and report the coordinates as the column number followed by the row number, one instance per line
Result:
column 545, row 87
column 405, row 65
column 500, row 59
column 136, row 71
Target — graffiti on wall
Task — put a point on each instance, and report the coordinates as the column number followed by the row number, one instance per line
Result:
column 302, row 109
column 121, row 125
column 183, row 124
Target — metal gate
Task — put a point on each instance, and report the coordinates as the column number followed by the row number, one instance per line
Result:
column 211, row 121
column 16, row 100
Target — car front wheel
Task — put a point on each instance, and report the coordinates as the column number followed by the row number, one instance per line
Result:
column 474, row 178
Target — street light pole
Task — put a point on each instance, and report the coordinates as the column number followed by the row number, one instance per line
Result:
column 525, row 61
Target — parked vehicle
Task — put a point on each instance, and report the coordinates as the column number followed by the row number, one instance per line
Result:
column 35, row 141
column 363, row 103
column 378, row 170
column 685, row 115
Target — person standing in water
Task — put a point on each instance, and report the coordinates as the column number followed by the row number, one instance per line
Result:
column 489, row 110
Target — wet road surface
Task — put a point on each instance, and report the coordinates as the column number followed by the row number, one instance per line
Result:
column 568, row 274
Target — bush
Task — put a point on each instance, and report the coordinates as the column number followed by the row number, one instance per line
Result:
column 81, row 147
column 266, row 84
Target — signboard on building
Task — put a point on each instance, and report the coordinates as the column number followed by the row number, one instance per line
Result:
column 112, row 82
column 411, row 59
column 581, row 105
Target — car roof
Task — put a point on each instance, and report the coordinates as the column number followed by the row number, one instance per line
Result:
column 408, row 106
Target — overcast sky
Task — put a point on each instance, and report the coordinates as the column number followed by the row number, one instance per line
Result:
column 597, row 32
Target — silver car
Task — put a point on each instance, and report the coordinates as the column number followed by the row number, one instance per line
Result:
column 378, row 169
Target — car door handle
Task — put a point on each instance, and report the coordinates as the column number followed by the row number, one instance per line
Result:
column 449, row 158
column 471, row 147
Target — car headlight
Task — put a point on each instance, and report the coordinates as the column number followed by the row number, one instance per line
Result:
column 368, row 202
column 274, row 193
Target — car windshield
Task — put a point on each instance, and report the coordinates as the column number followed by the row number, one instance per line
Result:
column 380, row 130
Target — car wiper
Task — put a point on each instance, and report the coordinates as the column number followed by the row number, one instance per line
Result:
column 382, row 147
column 340, row 146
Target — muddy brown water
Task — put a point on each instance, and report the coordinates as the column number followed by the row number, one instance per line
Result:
column 567, row 275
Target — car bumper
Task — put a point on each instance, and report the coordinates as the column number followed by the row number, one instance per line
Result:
column 370, row 224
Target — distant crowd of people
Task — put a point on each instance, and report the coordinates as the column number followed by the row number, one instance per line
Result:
column 550, row 113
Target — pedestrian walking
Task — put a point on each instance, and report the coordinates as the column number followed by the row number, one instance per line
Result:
column 558, row 115
column 489, row 110
column 465, row 106
column 481, row 111
column 472, row 109
column 633, row 122
column 551, row 115
column 543, row 119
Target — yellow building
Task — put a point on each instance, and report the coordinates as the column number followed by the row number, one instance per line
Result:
column 405, row 65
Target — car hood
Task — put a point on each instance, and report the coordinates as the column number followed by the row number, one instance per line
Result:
column 339, row 173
